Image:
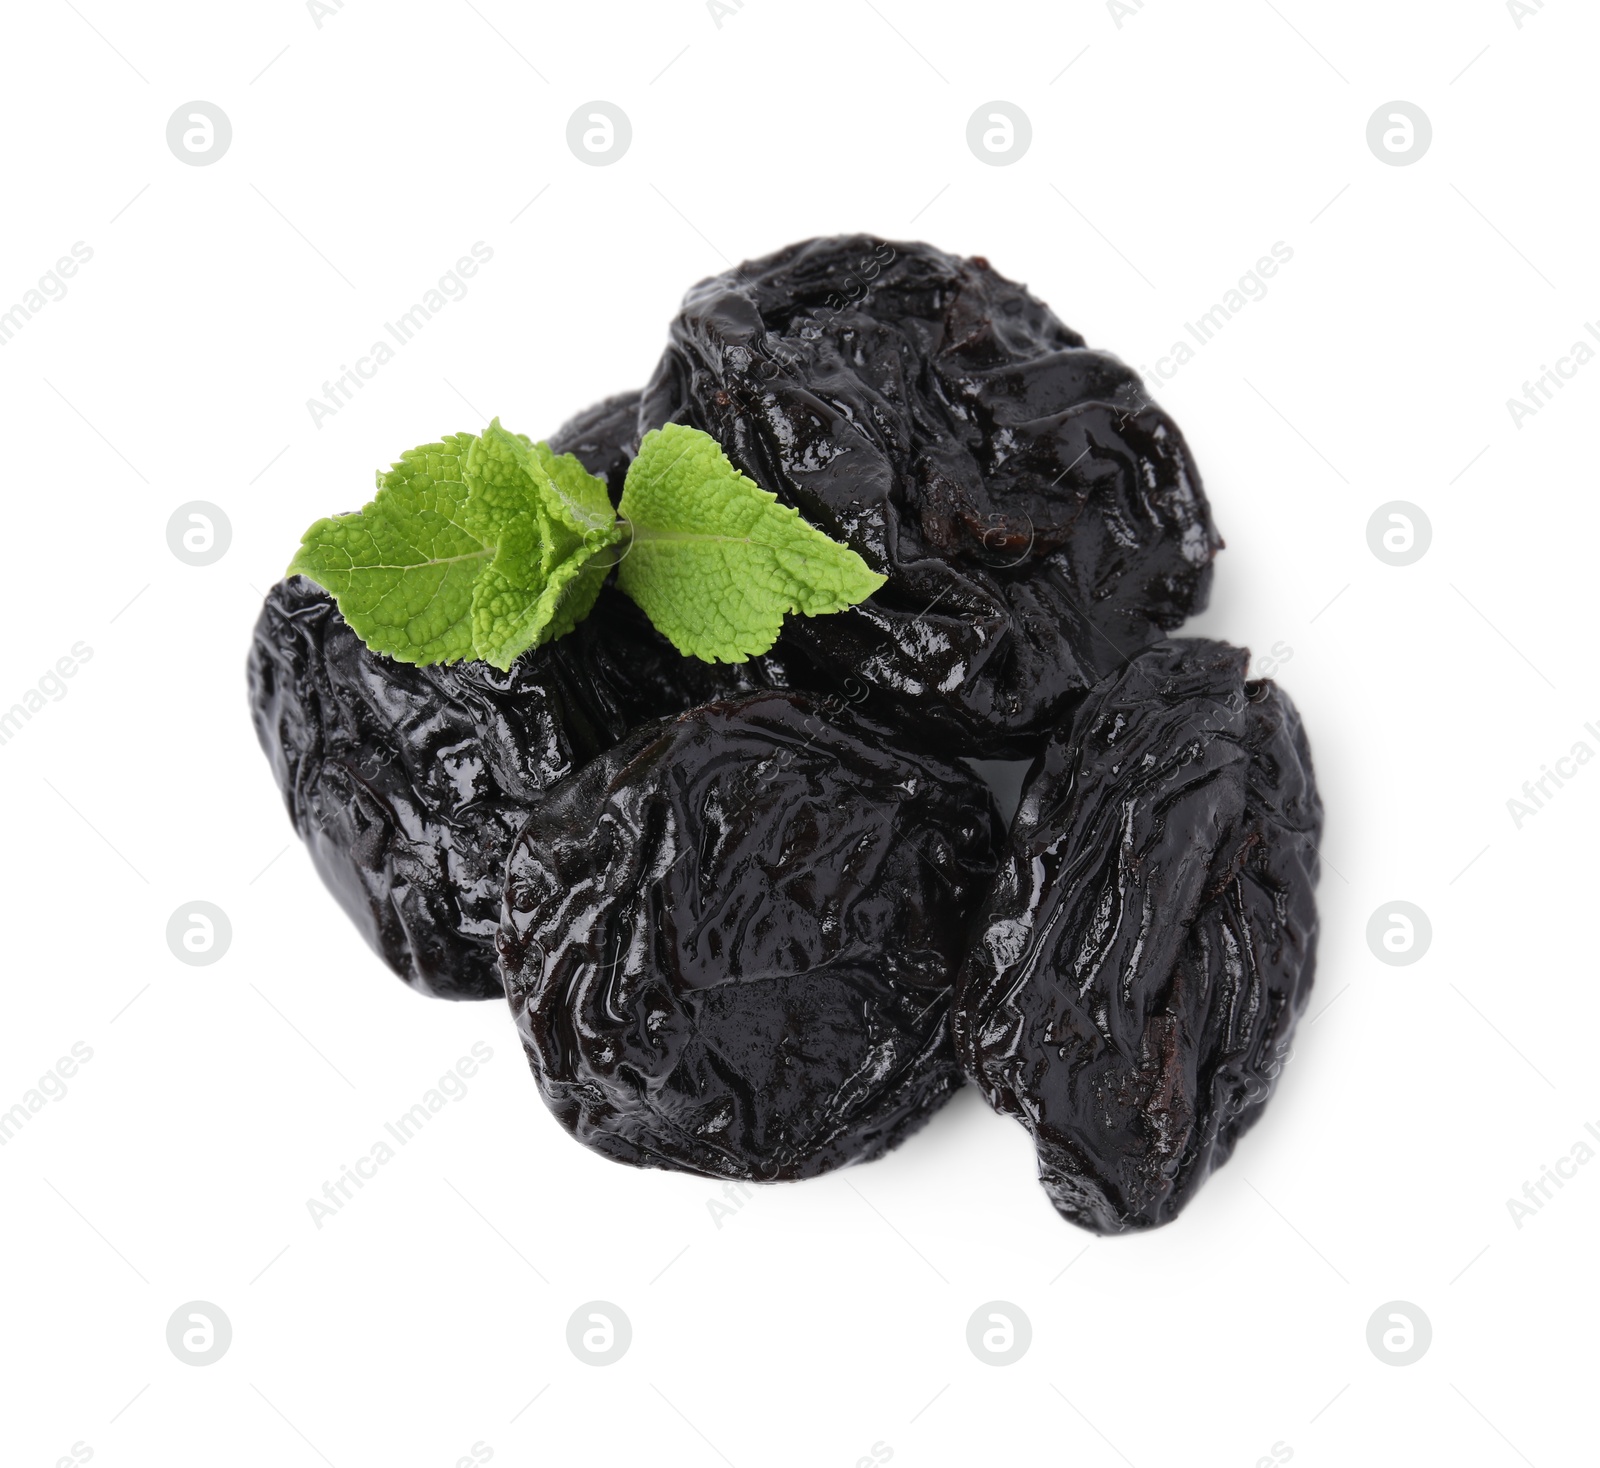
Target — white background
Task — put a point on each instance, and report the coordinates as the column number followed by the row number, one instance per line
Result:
column 816, row 1321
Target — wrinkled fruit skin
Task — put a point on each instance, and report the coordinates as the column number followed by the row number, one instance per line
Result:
column 729, row 943
column 1149, row 942
column 632, row 675
column 1036, row 515
column 409, row 784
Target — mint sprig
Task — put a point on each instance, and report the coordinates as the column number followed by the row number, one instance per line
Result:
column 403, row 568
column 552, row 523
column 474, row 547
column 485, row 546
column 715, row 561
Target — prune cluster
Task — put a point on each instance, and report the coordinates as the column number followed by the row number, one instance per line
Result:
column 761, row 920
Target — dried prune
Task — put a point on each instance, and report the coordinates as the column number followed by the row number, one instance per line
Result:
column 729, row 942
column 632, row 675
column 1037, row 517
column 1149, row 942
column 408, row 784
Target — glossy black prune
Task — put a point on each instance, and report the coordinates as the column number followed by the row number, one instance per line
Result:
column 632, row 675
column 729, row 942
column 408, row 784
column 1037, row 517
column 1149, row 941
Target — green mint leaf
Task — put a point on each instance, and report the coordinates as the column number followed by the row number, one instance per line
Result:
column 486, row 546
column 584, row 502
column 553, row 527
column 403, row 568
column 575, row 495
column 497, row 482
column 715, row 561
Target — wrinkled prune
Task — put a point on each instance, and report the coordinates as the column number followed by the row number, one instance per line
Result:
column 632, row 675
column 729, row 942
column 1037, row 517
column 1149, row 942
column 408, row 784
